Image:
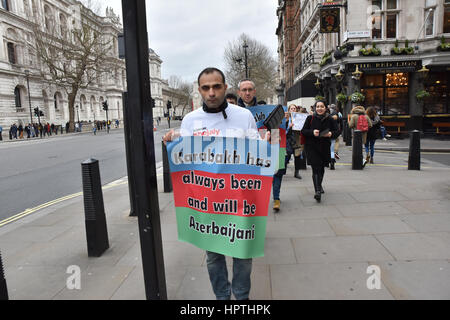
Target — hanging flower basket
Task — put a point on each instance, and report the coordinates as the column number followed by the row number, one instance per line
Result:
column 357, row 97
column 422, row 94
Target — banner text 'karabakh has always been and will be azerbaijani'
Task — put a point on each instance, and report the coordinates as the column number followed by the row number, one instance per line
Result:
column 222, row 191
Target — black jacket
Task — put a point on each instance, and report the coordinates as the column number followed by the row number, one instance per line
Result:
column 317, row 149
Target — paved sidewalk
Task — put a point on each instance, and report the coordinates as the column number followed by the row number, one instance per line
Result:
column 426, row 145
column 389, row 217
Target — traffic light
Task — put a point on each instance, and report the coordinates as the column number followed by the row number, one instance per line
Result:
column 105, row 105
column 169, row 104
column 153, row 102
column 36, row 112
column 41, row 114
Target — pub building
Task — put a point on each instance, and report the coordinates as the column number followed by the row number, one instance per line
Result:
column 390, row 86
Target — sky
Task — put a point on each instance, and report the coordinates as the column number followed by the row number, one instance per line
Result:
column 190, row 35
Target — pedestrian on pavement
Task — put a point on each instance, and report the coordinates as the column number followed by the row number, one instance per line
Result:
column 293, row 145
column 318, row 130
column 231, row 98
column 373, row 133
column 94, row 128
column 218, row 114
column 336, row 116
column 20, row 129
column 247, row 93
column 360, row 121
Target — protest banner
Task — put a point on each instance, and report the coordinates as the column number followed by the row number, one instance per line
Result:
column 222, row 192
column 298, row 119
column 260, row 113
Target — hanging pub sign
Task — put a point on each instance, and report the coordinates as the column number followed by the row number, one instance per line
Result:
column 329, row 19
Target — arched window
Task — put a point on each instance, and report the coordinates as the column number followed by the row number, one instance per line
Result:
column 11, row 53
column 55, row 99
column 17, row 98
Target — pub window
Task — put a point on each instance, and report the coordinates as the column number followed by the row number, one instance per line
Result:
column 437, row 86
column 17, row 99
column 11, row 53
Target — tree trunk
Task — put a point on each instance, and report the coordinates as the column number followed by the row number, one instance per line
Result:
column 71, row 97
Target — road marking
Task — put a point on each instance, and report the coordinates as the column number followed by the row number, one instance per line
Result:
column 29, row 211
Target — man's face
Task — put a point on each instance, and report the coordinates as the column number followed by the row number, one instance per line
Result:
column 212, row 89
column 247, row 92
column 231, row 100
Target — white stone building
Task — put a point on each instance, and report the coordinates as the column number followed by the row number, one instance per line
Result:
column 18, row 64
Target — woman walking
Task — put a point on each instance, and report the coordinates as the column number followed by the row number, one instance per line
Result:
column 319, row 129
column 293, row 142
column 372, row 134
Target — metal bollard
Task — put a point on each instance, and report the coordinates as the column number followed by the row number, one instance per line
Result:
column 95, row 220
column 3, row 287
column 414, row 150
column 344, row 132
column 348, row 142
column 166, row 169
column 357, row 155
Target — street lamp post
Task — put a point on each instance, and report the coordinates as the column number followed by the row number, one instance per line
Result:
column 245, row 46
column 27, row 75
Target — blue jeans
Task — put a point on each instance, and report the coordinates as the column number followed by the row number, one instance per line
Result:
column 333, row 142
column 371, row 144
column 218, row 275
column 276, row 186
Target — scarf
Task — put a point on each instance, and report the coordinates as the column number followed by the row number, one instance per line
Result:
column 221, row 108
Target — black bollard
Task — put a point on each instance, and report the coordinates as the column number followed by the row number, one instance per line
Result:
column 357, row 155
column 166, row 169
column 3, row 288
column 414, row 150
column 348, row 142
column 96, row 230
column 128, row 142
column 344, row 132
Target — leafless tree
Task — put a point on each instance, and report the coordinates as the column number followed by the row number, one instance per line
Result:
column 73, row 58
column 262, row 67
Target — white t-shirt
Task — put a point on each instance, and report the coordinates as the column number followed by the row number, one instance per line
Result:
column 239, row 123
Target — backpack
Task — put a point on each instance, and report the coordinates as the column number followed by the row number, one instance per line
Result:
column 363, row 124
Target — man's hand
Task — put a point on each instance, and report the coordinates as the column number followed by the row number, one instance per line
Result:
column 316, row 133
column 170, row 136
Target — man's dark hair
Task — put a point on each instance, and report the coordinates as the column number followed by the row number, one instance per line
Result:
column 231, row 96
column 208, row 71
column 261, row 102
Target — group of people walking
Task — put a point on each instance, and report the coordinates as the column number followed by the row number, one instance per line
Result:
column 33, row 130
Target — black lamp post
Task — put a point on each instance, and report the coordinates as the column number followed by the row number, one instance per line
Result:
column 27, row 75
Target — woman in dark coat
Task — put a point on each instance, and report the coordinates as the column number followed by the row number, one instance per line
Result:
column 318, row 130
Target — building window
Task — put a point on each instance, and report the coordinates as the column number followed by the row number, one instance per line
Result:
column 5, row 5
column 388, row 93
column 437, row 86
column 11, row 53
column 447, row 17
column 384, row 19
column 17, row 98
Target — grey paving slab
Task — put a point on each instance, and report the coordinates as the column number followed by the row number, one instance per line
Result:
column 177, row 253
column 299, row 228
column 132, row 287
column 368, row 225
column 371, row 209
column 35, row 282
column 331, row 281
column 428, row 222
column 302, row 212
column 31, row 233
column 427, row 206
column 328, row 199
column 378, row 196
column 417, row 246
column 277, row 251
column 97, row 283
column 339, row 249
column 416, row 280
column 195, row 285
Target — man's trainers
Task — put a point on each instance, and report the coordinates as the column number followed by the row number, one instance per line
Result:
column 384, row 139
column 276, row 205
column 364, row 163
column 336, row 155
column 388, row 135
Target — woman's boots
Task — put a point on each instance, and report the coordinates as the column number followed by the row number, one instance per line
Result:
column 333, row 161
column 317, row 187
column 297, row 174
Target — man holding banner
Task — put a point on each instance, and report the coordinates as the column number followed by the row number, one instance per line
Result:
column 222, row 174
